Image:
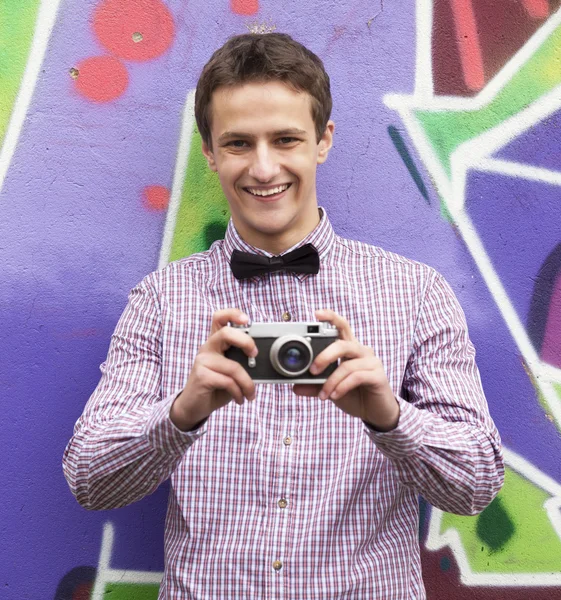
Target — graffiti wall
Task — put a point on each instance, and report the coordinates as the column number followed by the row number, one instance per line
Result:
column 447, row 150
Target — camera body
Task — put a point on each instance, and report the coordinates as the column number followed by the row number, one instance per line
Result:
column 286, row 351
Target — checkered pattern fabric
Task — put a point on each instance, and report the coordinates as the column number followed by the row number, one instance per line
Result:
column 288, row 497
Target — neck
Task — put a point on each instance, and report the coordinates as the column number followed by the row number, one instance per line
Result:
column 278, row 243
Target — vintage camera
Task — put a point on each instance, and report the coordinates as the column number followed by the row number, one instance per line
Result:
column 286, row 351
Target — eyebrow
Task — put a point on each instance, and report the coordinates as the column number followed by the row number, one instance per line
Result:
column 227, row 135
column 292, row 131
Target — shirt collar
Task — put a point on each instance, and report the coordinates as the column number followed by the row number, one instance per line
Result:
column 321, row 238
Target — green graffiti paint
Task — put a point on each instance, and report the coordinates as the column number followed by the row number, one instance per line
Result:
column 408, row 161
column 131, row 591
column 446, row 130
column 213, row 232
column 531, row 547
column 203, row 211
column 557, row 387
column 494, row 526
column 17, row 25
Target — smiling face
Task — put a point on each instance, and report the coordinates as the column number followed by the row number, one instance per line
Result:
column 265, row 151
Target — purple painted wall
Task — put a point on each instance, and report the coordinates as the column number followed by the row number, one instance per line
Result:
column 444, row 152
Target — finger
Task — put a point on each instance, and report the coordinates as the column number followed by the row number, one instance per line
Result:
column 345, row 331
column 305, row 389
column 338, row 350
column 351, row 382
column 219, row 381
column 231, row 369
column 226, row 337
column 223, row 317
column 344, row 370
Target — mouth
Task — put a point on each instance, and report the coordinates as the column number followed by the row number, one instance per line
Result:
column 269, row 193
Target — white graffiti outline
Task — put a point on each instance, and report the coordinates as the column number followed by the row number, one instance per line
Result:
column 46, row 18
column 105, row 574
column 516, row 169
column 178, row 177
column 451, row 537
column 423, row 57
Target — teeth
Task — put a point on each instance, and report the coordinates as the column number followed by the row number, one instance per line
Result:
column 270, row 192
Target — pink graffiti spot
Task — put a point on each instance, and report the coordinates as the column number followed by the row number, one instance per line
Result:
column 101, row 78
column 536, row 9
column 134, row 29
column 468, row 44
column 156, row 197
column 244, row 7
column 551, row 347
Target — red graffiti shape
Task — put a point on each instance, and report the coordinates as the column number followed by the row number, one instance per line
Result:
column 468, row 43
column 156, row 197
column 101, row 78
column 244, row 7
column 134, row 29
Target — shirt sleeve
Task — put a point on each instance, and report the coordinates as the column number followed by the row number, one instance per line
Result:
column 124, row 444
column 445, row 444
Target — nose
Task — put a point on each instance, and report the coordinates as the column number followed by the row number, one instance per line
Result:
column 264, row 165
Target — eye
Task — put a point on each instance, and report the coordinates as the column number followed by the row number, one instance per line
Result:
column 237, row 144
column 283, row 141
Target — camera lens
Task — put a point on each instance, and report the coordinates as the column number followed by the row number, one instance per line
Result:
column 291, row 355
column 294, row 356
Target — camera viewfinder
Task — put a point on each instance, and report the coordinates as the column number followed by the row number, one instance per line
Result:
column 313, row 328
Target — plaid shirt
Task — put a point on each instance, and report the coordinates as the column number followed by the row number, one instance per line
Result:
column 287, row 496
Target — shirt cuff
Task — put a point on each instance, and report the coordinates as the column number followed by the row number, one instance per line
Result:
column 406, row 438
column 164, row 436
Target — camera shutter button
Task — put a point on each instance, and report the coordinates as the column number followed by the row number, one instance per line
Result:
column 286, row 316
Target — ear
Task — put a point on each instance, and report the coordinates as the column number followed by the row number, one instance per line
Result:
column 324, row 145
column 209, row 155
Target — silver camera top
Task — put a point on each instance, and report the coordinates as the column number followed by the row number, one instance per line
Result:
column 304, row 329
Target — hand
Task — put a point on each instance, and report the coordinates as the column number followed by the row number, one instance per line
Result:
column 214, row 379
column 359, row 385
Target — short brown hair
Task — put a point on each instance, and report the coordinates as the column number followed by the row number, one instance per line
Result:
column 264, row 57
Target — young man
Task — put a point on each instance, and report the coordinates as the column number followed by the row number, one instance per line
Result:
column 280, row 491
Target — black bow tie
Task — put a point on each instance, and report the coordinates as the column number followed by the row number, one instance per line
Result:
column 302, row 260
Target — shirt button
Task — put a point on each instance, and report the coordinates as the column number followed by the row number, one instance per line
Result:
column 277, row 565
column 286, row 316
column 283, row 503
column 287, row 440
